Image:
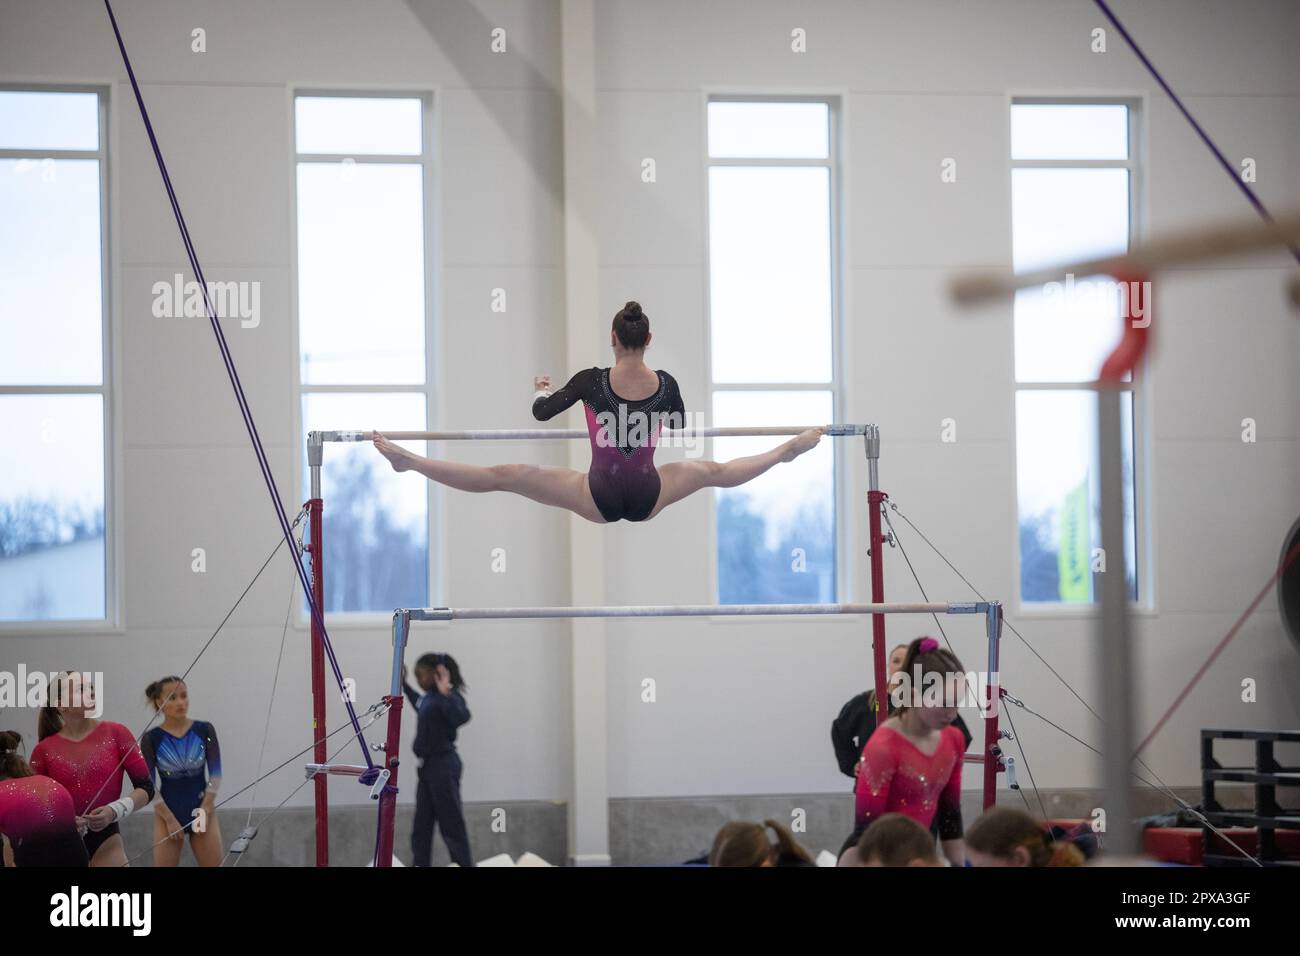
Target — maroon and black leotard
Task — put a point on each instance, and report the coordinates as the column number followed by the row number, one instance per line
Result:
column 624, row 433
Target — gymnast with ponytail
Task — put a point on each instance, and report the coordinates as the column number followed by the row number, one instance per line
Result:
column 912, row 763
column 622, row 482
column 184, row 760
column 89, row 756
column 37, row 819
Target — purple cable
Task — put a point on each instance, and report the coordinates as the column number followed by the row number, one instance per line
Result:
column 240, row 398
column 1200, row 131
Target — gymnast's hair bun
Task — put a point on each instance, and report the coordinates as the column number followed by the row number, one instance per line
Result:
column 632, row 326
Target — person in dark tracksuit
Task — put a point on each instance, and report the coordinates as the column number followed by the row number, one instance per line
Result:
column 440, row 709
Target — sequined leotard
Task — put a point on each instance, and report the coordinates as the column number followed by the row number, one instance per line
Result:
column 92, row 768
column 37, row 818
column 896, row 777
column 186, row 766
column 624, row 433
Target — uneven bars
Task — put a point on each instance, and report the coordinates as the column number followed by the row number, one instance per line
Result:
column 683, row 610
column 541, row 434
column 1197, row 245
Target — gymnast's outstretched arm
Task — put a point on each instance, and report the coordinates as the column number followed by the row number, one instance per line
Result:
column 547, row 404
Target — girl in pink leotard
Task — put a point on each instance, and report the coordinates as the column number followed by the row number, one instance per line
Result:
column 36, row 815
column 89, row 756
column 912, row 763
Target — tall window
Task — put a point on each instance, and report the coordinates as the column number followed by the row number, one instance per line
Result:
column 772, row 271
column 53, row 374
column 363, row 178
column 1072, row 195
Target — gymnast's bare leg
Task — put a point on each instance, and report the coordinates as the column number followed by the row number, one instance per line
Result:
column 558, row 487
column 679, row 479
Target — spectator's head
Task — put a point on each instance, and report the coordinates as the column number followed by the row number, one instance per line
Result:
column 896, row 658
column 1005, row 836
column 426, row 671
column 12, row 762
column 929, row 684
column 741, row 843
column 897, row 840
column 169, row 695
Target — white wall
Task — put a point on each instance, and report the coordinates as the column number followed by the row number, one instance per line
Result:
column 741, row 708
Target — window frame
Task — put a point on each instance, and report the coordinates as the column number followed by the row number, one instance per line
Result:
column 1137, row 387
column 429, row 162
column 111, row 622
column 834, row 100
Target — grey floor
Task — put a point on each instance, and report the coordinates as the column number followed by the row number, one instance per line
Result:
column 643, row 832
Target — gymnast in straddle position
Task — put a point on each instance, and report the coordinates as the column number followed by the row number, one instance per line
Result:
column 623, row 482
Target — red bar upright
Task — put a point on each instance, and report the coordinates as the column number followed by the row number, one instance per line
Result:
column 321, row 781
column 388, row 796
column 875, row 500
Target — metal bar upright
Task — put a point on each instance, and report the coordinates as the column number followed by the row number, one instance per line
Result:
column 392, row 742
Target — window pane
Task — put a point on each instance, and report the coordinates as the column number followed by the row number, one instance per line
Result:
column 770, row 274
column 1068, row 131
column 1057, row 491
column 1064, row 333
column 52, row 508
column 49, row 120
column 376, row 520
column 361, row 273
column 1059, row 215
column 51, row 287
column 776, row 534
column 358, row 126
column 769, row 130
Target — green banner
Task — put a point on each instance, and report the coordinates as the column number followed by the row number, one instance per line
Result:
column 1073, row 558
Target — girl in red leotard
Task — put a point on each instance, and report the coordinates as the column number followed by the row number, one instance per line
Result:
column 626, row 407
column 912, row 763
column 89, row 756
column 36, row 816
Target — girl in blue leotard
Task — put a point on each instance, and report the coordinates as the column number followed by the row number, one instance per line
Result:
column 622, row 482
column 185, row 760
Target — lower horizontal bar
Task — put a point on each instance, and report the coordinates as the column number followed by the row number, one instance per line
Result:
column 543, row 434
column 682, row 610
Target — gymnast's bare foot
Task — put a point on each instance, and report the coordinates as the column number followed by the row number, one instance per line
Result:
column 804, row 441
column 397, row 456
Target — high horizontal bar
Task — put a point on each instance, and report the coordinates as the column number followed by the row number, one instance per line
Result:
column 543, row 434
column 683, row 610
column 1187, row 247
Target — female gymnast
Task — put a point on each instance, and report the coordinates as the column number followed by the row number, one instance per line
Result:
column 912, row 763
column 36, row 814
column 622, row 481
column 184, row 756
column 88, row 756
